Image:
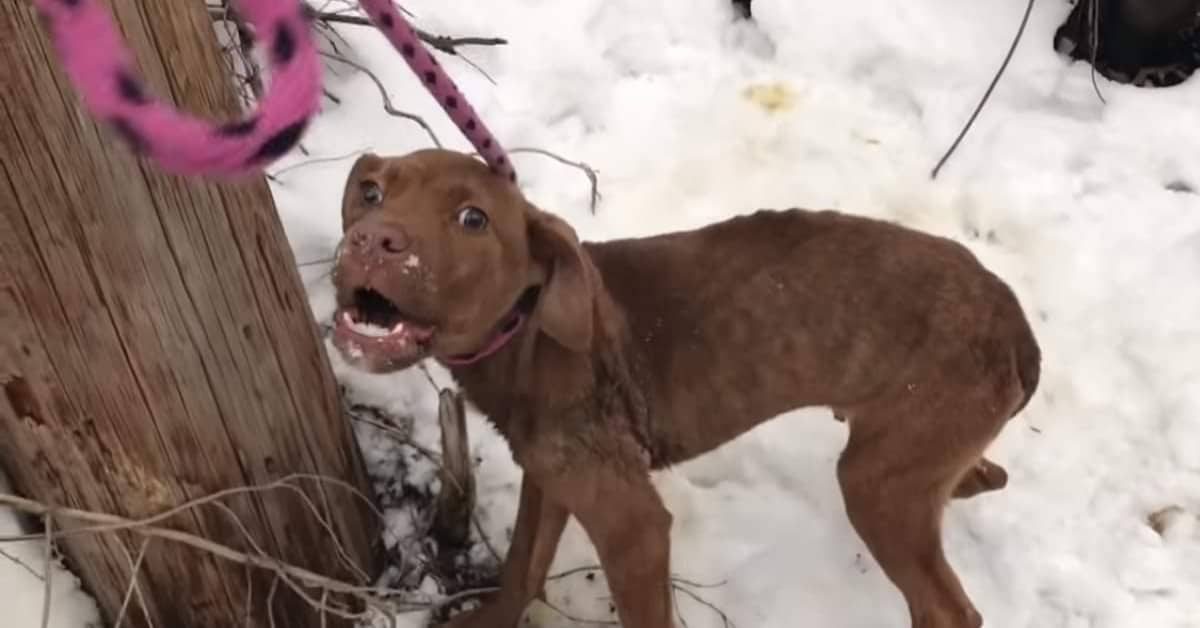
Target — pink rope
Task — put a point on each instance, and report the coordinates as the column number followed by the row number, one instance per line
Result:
column 100, row 68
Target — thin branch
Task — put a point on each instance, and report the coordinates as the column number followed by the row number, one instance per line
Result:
column 271, row 601
column 588, row 171
column 570, row 572
column 22, row 564
column 135, row 566
column 188, row 505
column 478, row 68
column 327, row 260
column 111, row 523
column 48, row 555
column 713, row 607
column 697, row 585
column 441, row 43
column 249, row 596
column 320, row 160
column 387, row 99
column 580, row 620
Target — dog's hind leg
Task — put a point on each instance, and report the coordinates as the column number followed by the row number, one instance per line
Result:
column 900, row 467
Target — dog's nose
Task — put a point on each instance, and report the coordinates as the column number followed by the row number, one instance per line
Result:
column 378, row 239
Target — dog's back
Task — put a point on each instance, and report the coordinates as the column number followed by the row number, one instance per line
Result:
column 744, row 319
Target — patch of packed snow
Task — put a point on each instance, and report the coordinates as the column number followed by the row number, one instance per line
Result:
column 690, row 117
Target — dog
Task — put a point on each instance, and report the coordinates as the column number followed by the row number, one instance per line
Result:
column 600, row 362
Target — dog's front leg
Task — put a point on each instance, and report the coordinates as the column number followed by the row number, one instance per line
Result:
column 536, row 534
column 625, row 519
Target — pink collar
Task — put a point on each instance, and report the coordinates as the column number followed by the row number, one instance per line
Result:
column 499, row 339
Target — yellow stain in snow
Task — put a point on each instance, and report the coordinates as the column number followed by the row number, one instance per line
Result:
column 773, row 97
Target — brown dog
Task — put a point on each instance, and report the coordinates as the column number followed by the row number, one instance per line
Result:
column 600, row 362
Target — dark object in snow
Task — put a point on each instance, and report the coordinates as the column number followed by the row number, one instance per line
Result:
column 403, row 478
column 1181, row 186
column 1147, row 43
column 600, row 362
column 742, row 8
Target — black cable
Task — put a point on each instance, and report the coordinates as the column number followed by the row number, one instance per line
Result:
column 1016, row 40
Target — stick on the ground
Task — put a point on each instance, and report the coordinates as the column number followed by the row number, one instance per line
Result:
column 456, row 500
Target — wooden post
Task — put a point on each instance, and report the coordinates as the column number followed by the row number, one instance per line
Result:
column 156, row 344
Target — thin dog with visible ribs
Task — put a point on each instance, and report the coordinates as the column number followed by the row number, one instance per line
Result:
column 600, row 362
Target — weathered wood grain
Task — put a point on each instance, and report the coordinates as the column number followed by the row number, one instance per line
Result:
column 155, row 340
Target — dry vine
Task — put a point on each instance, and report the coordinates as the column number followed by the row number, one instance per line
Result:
column 329, row 596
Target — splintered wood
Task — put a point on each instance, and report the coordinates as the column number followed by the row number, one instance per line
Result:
column 156, row 344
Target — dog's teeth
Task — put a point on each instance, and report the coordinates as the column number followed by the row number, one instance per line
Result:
column 346, row 318
column 399, row 328
column 367, row 329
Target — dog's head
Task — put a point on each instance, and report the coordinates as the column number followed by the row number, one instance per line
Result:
column 439, row 255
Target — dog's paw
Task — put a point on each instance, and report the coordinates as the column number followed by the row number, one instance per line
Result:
column 983, row 477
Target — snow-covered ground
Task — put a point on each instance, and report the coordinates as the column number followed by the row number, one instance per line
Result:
column 1084, row 208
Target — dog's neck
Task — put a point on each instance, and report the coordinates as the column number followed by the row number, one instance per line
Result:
column 566, row 381
column 504, row 331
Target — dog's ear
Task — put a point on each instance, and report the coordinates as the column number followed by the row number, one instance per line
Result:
column 366, row 163
column 565, row 306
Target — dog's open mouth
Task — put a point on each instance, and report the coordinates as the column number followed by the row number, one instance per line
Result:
column 372, row 326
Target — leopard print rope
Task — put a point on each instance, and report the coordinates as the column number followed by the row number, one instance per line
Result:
column 100, row 68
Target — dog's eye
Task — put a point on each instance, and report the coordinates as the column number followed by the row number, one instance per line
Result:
column 472, row 219
column 372, row 194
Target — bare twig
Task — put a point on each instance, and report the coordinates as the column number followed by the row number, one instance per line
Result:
column 713, row 607
column 580, row 620
column 22, row 564
column 327, row 260
column 387, row 99
column 441, row 43
column 112, row 523
column 319, row 160
column 249, row 596
column 186, row 506
column 588, row 171
column 48, row 555
column 987, row 94
column 478, row 68
column 697, row 585
column 570, row 572
column 135, row 566
column 271, row 601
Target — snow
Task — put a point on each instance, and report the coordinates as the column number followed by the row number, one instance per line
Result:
column 689, row 117
column 23, row 584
